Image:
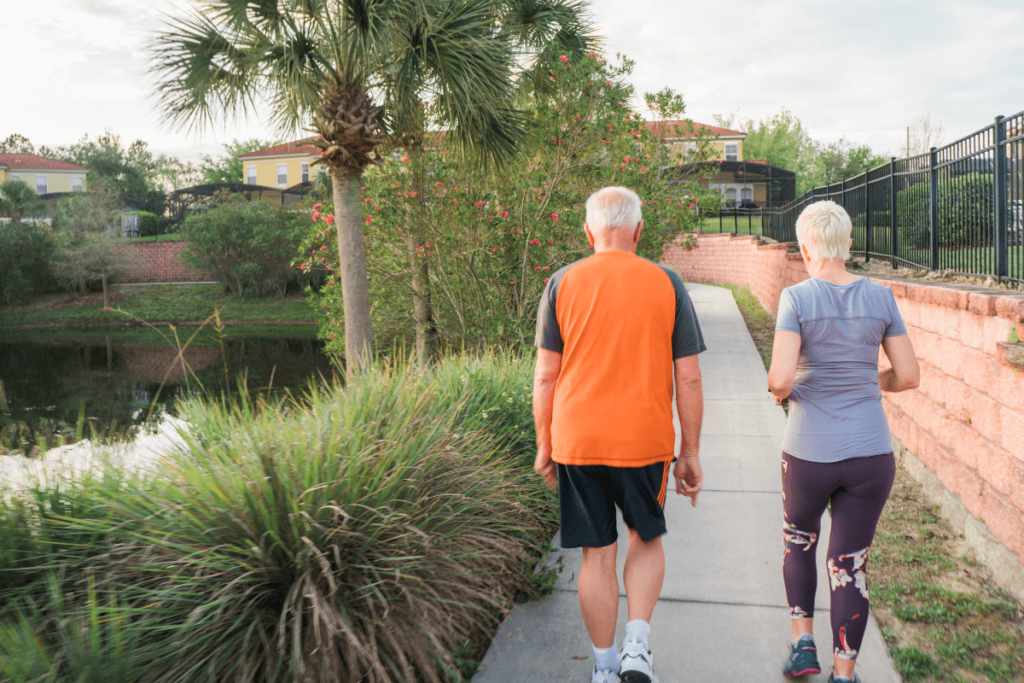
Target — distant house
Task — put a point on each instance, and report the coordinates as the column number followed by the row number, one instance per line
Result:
column 283, row 166
column 742, row 182
column 45, row 175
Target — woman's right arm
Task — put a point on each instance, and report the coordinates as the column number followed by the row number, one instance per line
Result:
column 905, row 372
column 785, row 356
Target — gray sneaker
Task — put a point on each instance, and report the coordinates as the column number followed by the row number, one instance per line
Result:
column 637, row 663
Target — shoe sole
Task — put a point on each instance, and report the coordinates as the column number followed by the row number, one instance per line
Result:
column 794, row 674
column 634, row 677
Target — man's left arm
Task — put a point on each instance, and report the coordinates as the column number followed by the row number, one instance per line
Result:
column 545, row 376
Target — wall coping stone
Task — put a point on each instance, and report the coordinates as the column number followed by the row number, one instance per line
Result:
column 974, row 298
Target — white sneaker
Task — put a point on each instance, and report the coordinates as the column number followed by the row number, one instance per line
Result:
column 637, row 663
column 604, row 676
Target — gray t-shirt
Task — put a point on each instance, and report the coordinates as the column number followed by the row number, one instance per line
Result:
column 835, row 410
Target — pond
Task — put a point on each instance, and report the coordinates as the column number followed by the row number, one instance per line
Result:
column 59, row 386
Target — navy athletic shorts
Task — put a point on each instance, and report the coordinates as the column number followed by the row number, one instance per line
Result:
column 589, row 494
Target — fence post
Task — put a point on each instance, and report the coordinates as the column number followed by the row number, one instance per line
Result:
column 893, row 235
column 867, row 217
column 933, row 208
column 999, row 198
column 843, row 198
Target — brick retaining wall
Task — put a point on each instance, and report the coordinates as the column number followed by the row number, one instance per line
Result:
column 158, row 262
column 965, row 422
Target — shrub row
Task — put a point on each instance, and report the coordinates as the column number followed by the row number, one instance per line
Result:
column 361, row 533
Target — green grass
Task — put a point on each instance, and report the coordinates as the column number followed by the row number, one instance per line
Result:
column 165, row 303
column 173, row 237
column 913, row 664
column 734, row 224
column 375, row 531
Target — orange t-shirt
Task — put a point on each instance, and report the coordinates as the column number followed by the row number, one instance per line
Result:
column 619, row 321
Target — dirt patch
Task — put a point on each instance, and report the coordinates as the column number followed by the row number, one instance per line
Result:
column 885, row 269
column 941, row 614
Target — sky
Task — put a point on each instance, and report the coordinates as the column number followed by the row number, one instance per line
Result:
column 860, row 70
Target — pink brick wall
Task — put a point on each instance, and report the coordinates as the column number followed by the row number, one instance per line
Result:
column 159, row 262
column 966, row 420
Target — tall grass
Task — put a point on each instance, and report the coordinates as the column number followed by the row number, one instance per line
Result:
column 357, row 533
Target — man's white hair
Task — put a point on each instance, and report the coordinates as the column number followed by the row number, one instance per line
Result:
column 824, row 228
column 613, row 207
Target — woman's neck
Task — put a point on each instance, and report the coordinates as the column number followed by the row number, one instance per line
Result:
column 830, row 270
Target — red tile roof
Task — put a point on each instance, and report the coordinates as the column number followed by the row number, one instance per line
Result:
column 297, row 147
column 679, row 129
column 34, row 162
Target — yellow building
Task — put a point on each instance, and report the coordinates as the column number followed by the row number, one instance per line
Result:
column 46, row 176
column 281, row 166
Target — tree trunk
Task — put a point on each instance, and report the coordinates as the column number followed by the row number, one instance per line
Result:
column 355, row 287
column 422, row 310
column 106, row 299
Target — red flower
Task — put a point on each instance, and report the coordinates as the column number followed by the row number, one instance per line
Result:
column 554, row 216
column 329, row 219
column 323, row 247
column 546, row 280
column 551, row 241
column 494, row 251
column 405, row 160
column 511, row 282
column 643, row 169
column 537, row 268
column 479, row 204
column 316, row 215
column 546, row 268
column 369, row 218
column 565, row 60
column 455, row 201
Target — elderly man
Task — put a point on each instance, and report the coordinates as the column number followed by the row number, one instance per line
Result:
column 612, row 331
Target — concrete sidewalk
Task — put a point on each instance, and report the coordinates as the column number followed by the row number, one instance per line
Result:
column 722, row 615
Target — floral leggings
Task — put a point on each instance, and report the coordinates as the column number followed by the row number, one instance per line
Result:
column 857, row 490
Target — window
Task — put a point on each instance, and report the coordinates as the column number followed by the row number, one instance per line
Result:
column 732, row 151
column 40, row 184
column 76, row 183
column 305, row 172
column 282, row 174
column 747, row 194
column 250, row 177
column 730, row 196
column 15, row 176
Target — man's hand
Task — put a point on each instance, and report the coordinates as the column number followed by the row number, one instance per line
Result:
column 688, row 477
column 546, row 467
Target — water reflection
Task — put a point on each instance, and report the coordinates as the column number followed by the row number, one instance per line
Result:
column 118, row 376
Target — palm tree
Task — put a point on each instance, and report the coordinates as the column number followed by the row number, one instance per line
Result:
column 333, row 65
column 18, row 199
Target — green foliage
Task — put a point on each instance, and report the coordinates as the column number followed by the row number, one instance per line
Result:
column 248, row 246
column 356, row 531
column 17, row 144
column 227, row 168
column 913, row 664
column 92, row 257
column 27, row 253
column 18, row 200
column 82, row 213
column 492, row 237
column 149, row 223
column 965, row 214
column 131, row 171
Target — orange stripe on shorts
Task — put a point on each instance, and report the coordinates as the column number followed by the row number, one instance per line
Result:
column 664, row 485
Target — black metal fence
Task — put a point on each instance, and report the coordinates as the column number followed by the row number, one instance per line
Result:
column 957, row 208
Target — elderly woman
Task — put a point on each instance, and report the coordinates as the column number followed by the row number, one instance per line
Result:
column 837, row 448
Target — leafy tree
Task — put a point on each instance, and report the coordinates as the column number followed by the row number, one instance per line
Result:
column 172, row 173
column 17, row 144
column 82, row 213
column 227, row 168
column 781, row 141
column 838, row 161
column 248, row 246
column 94, row 257
column 925, row 133
column 354, row 72
column 26, row 261
column 113, row 167
column 18, row 200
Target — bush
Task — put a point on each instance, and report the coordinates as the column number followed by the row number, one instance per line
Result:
column 149, row 223
column 965, row 212
column 354, row 533
column 248, row 246
column 27, row 254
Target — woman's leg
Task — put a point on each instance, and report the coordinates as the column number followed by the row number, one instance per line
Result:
column 856, row 508
column 806, row 488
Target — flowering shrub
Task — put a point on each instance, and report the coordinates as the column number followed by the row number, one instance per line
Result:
column 492, row 237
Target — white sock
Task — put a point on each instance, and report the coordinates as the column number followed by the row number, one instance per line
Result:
column 637, row 630
column 607, row 659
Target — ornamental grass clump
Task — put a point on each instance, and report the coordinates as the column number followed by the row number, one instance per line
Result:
column 362, row 533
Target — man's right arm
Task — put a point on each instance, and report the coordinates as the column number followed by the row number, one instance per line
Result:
column 690, row 406
column 545, row 376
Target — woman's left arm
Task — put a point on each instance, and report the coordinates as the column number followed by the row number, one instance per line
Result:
column 785, row 356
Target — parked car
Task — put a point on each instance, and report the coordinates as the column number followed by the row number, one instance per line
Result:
column 747, row 204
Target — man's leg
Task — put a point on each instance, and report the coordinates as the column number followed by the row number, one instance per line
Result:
column 643, row 575
column 599, row 594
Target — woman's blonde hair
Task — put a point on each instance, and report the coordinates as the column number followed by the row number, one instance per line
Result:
column 826, row 229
